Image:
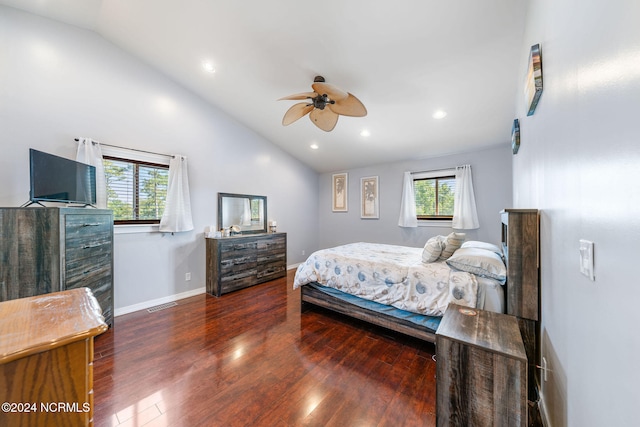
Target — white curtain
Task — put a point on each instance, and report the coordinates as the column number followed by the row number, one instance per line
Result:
column 465, row 215
column 246, row 214
column 89, row 152
column 408, row 217
column 177, row 210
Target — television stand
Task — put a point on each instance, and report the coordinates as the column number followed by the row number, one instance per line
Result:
column 31, row 202
column 37, row 202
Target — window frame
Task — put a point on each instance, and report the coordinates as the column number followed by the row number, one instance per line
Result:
column 142, row 158
column 437, row 221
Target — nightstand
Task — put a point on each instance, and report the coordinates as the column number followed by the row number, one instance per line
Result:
column 481, row 369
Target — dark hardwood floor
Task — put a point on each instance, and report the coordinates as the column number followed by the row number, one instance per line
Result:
column 250, row 358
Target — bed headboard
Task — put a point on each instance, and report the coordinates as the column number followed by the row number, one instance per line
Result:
column 520, row 243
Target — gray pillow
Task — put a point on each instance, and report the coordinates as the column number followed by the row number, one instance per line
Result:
column 480, row 262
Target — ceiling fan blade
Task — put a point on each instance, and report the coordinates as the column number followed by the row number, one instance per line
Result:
column 295, row 112
column 324, row 119
column 349, row 106
column 334, row 92
column 300, row 96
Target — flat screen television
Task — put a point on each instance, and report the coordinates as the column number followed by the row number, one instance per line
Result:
column 56, row 179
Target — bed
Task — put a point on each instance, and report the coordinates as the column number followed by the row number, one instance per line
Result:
column 401, row 288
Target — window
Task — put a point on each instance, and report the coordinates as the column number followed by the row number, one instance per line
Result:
column 136, row 189
column 435, row 194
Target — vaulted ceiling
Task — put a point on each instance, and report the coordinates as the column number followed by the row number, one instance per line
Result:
column 403, row 59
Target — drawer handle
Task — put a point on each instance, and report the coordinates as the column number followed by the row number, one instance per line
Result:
column 95, row 245
column 91, row 224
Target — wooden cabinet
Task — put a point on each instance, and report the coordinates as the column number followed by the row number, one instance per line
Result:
column 481, row 375
column 46, row 359
column 45, row 250
column 241, row 261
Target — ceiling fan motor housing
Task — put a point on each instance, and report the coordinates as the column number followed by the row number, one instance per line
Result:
column 321, row 101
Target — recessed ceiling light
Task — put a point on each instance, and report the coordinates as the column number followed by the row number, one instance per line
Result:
column 208, row 67
column 365, row 133
column 439, row 114
column 314, row 146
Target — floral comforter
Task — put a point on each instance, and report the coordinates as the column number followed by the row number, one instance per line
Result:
column 391, row 275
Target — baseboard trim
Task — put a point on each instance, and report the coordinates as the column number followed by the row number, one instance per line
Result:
column 293, row 266
column 152, row 303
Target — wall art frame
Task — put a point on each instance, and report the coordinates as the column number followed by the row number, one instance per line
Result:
column 533, row 83
column 369, row 198
column 515, row 136
column 340, row 192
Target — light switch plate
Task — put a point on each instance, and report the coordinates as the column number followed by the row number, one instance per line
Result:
column 586, row 259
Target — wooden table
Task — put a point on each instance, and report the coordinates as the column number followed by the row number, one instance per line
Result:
column 481, row 368
column 46, row 359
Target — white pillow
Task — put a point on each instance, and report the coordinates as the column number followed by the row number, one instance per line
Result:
column 432, row 249
column 480, row 262
column 452, row 242
column 482, row 245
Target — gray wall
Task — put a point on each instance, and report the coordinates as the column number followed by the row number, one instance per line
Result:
column 579, row 162
column 491, row 169
column 59, row 82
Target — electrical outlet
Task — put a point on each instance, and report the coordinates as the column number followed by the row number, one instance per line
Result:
column 304, row 252
column 544, row 368
column 187, row 277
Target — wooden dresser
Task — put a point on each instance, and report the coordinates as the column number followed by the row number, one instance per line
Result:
column 45, row 250
column 241, row 261
column 46, row 359
column 481, row 377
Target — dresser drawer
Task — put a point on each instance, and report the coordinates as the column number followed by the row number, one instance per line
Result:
column 238, row 279
column 272, row 257
column 232, row 247
column 239, row 263
column 87, row 269
column 275, row 243
column 87, row 225
column 271, row 271
column 85, row 248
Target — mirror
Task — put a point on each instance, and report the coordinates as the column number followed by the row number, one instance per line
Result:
column 247, row 212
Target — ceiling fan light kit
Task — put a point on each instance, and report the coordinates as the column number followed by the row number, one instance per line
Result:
column 324, row 105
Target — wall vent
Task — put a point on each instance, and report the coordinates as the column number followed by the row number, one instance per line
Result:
column 161, row 307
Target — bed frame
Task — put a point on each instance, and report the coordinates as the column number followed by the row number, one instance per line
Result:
column 313, row 296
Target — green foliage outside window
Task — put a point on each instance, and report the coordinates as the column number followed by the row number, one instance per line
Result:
column 136, row 191
column 435, row 197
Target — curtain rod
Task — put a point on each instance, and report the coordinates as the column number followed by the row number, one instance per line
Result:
column 132, row 149
column 436, row 170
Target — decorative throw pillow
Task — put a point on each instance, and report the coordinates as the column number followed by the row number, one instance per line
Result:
column 433, row 249
column 453, row 241
column 480, row 262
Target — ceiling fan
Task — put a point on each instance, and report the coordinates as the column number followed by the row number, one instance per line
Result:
column 324, row 105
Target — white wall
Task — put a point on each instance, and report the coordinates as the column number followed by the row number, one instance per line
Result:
column 58, row 82
column 579, row 162
column 491, row 170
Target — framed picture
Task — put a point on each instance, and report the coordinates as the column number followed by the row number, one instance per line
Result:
column 369, row 200
column 533, row 84
column 339, row 189
column 515, row 136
